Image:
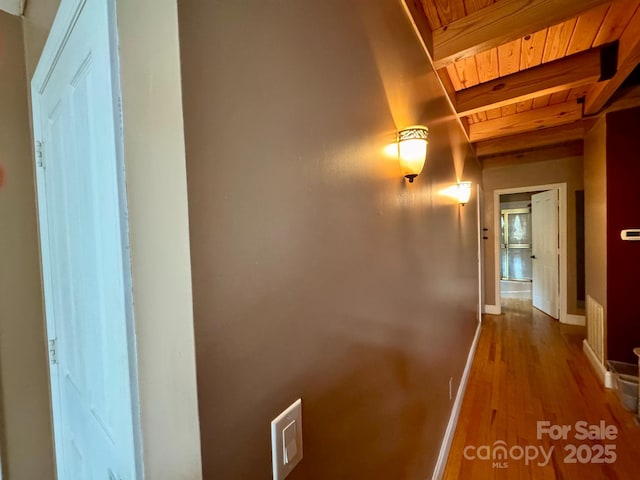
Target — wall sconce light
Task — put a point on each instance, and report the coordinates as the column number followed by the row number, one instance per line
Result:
column 412, row 150
column 464, row 192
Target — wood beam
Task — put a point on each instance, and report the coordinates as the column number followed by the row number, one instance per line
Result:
column 536, row 119
column 628, row 59
column 534, row 139
column 572, row 71
column 552, row 152
column 499, row 23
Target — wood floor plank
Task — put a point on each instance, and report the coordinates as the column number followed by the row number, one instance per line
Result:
column 529, row 368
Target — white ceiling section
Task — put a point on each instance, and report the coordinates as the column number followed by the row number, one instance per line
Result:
column 14, row 7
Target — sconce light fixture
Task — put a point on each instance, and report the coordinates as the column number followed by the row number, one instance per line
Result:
column 464, row 192
column 412, row 150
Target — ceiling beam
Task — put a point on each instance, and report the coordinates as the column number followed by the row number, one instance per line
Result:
column 536, row 119
column 568, row 72
column 499, row 23
column 534, row 139
column 14, row 7
column 628, row 59
column 574, row 148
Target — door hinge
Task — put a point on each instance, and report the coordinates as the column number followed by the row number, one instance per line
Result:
column 40, row 153
column 53, row 351
column 120, row 116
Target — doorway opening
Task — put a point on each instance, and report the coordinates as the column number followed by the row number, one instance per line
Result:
column 514, row 246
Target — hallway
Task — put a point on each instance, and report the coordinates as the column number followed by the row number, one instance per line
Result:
column 529, row 368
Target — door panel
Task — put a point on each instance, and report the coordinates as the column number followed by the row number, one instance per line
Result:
column 81, row 213
column 545, row 247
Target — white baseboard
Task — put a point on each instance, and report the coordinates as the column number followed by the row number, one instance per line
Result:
column 572, row 319
column 455, row 411
column 608, row 380
column 603, row 374
column 493, row 309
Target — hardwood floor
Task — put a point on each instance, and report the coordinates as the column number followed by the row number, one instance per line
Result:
column 529, row 368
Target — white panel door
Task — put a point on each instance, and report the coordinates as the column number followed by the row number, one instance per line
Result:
column 545, row 251
column 83, row 230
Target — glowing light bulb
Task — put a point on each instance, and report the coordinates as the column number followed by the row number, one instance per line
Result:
column 464, row 192
column 412, row 150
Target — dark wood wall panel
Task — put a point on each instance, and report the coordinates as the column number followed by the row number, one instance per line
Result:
column 623, row 211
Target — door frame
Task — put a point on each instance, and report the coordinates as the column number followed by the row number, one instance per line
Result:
column 481, row 248
column 63, row 23
column 562, row 231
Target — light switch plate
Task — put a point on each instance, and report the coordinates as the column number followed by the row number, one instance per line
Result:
column 286, row 440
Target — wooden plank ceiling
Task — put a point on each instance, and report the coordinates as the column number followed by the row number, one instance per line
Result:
column 523, row 74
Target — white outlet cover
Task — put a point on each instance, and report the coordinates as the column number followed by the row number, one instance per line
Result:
column 286, row 440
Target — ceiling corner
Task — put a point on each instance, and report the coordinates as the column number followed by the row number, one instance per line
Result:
column 14, row 7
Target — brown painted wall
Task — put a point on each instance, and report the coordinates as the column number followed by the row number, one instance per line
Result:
column 26, row 438
column 623, row 257
column 317, row 271
column 562, row 170
column 595, row 213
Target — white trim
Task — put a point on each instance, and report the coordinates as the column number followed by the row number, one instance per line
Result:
column 479, row 203
column 114, row 50
column 562, row 203
column 493, row 309
column 605, row 376
column 455, row 412
column 572, row 319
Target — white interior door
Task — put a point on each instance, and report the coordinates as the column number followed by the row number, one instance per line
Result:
column 481, row 248
column 545, row 251
column 86, row 270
